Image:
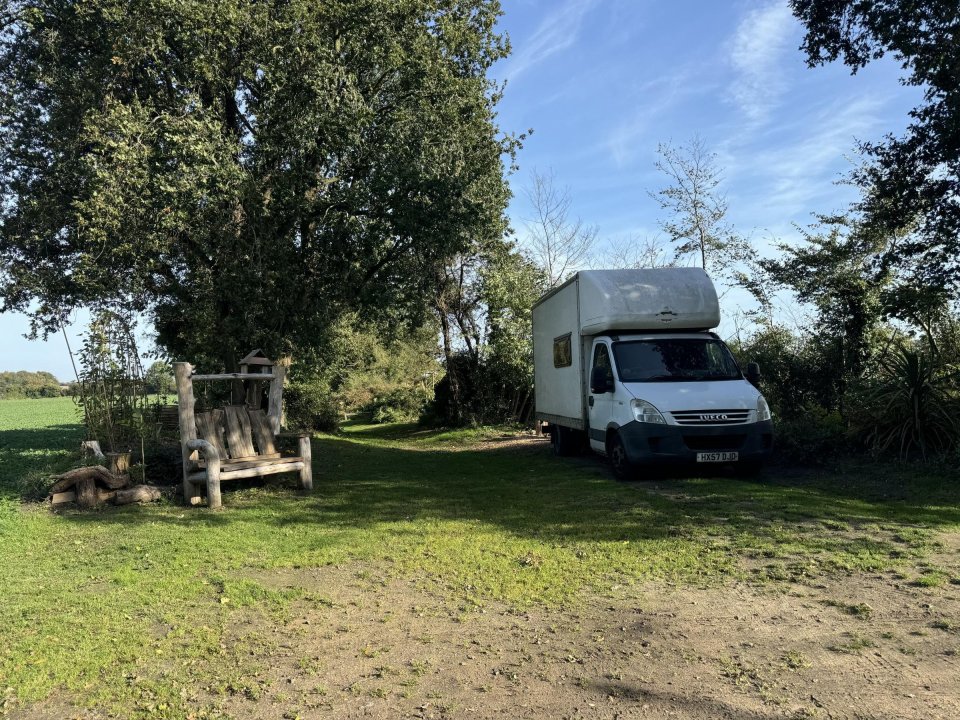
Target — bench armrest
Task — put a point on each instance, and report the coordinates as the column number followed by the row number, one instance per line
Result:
column 212, row 456
column 293, row 434
column 208, row 451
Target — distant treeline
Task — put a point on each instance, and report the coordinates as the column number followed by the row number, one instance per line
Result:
column 24, row 384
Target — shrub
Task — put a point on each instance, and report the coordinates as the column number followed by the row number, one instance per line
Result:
column 811, row 435
column 910, row 403
column 310, row 406
column 402, row 404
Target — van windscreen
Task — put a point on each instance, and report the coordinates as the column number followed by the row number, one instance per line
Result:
column 674, row 359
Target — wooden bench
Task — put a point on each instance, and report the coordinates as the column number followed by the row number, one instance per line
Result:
column 237, row 441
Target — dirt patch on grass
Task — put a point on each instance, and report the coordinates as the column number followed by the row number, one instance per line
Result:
column 365, row 646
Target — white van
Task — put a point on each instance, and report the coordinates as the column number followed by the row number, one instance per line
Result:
column 624, row 360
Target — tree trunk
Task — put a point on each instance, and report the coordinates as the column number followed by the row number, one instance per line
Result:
column 456, row 411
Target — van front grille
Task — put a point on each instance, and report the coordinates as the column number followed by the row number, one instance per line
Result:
column 710, row 417
column 714, row 442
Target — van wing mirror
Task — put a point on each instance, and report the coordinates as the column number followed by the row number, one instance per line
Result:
column 600, row 381
column 753, row 374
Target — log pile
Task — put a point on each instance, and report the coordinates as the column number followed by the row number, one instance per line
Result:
column 93, row 485
column 89, row 486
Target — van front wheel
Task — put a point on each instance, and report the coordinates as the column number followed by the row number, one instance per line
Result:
column 623, row 469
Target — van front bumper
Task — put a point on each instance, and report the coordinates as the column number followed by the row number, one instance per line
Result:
column 649, row 444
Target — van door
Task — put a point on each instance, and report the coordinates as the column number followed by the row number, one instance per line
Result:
column 600, row 405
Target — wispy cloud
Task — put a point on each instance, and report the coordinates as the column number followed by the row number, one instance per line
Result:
column 755, row 53
column 655, row 99
column 799, row 177
column 557, row 32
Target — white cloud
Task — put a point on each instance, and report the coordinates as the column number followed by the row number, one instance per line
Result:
column 755, row 53
column 655, row 99
column 558, row 31
column 798, row 175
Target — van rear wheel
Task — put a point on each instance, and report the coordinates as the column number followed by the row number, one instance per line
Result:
column 623, row 469
column 564, row 441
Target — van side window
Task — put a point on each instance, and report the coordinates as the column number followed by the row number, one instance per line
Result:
column 562, row 351
column 601, row 358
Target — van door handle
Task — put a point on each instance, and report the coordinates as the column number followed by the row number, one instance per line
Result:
column 590, row 401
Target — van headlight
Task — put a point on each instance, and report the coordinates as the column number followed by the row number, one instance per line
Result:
column 646, row 413
column 763, row 410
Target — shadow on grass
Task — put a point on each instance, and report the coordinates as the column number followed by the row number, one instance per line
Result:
column 25, row 454
column 688, row 705
column 524, row 490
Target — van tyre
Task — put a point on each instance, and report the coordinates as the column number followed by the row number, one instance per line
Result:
column 623, row 469
column 564, row 441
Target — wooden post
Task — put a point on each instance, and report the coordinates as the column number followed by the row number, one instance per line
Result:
column 254, row 387
column 306, row 474
column 188, row 427
column 213, row 461
column 275, row 404
column 214, row 502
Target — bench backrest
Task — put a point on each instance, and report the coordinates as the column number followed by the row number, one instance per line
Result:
column 238, row 432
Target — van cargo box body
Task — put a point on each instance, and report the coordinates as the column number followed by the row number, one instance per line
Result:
column 673, row 390
column 594, row 302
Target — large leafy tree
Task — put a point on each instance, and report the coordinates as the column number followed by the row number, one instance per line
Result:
column 832, row 271
column 912, row 181
column 243, row 170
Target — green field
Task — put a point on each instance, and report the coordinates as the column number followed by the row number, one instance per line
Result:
column 36, row 438
column 479, row 519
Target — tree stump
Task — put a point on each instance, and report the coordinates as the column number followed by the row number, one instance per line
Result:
column 118, row 463
column 91, row 485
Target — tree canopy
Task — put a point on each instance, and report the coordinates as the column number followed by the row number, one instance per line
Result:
column 243, row 171
column 25, row 384
column 910, row 182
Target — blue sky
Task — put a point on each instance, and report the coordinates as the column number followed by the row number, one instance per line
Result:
column 602, row 82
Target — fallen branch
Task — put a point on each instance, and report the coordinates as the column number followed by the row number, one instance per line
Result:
column 96, row 473
column 137, row 494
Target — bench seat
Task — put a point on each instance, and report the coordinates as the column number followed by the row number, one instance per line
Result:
column 236, row 469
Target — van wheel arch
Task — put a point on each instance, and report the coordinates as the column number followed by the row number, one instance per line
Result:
column 622, row 468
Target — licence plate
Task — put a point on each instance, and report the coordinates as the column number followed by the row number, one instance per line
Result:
column 717, row 457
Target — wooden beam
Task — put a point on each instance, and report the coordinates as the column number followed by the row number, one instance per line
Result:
column 239, row 438
column 231, row 465
column 64, row 497
column 235, row 376
column 262, row 433
column 251, row 472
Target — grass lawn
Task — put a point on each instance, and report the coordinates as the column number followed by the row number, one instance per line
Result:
column 126, row 610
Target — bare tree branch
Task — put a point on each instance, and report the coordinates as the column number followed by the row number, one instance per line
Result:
column 633, row 252
column 697, row 210
column 555, row 242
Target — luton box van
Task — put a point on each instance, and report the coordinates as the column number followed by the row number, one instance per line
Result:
column 625, row 360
